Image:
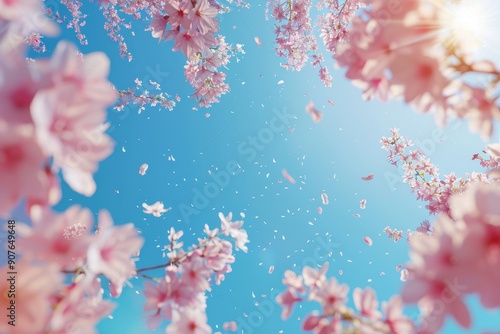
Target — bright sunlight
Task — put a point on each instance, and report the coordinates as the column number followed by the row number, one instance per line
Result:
column 472, row 23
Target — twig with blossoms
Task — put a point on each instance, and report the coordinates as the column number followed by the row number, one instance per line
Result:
column 335, row 316
column 295, row 37
column 188, row 276
column 65, row 247
column 202, row 71
column 143, row 97
column 396, row 235
column 423, row 177
column 55, row 245
column 493, row 156
column 190, row 24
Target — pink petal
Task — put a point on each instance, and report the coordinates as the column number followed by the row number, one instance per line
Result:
column 368, row 241
column 367, row 178
column 288, row 177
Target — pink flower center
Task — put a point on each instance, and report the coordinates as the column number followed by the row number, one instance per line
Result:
column 11, row 155
column 493, row 245
column 425, row 71
column 192, row 326
column 331, row 299
column 192, row 274
column 61, row 246
column 21, row 97
column 387, row 49
column 106, row 253
column 9, row 2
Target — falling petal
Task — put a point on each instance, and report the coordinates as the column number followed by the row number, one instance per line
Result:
column 288, row 177
column 315, row 114
column 367, row 178
column 258, row 41
column 368, row 241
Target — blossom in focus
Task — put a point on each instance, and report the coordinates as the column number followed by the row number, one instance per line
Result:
column 156, row 209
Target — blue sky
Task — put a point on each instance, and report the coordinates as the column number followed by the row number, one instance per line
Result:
column 283, row 225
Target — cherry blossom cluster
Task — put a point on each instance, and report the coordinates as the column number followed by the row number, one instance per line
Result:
column 335, row 23
column 335, row 316
column 387, row 36
column 460, row 258
column 50, row 304
column 423, row 177
column 63, row 266
column 190, row 24
column 52, row 120
column 295, row 39
column 179, row 295
column 202, row 71
column 394, row 234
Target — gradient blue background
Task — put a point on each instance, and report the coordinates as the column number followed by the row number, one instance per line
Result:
column 345, row 144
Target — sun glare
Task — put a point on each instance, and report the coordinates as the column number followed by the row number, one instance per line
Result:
column 472, row 22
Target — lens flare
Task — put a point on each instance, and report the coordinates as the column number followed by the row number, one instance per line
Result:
column 471, row 23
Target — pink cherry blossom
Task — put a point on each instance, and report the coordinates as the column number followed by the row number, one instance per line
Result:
column 335, row 316
column 69, row 115
column 156, row 300
column 18, row 86
column 202, row 17
column 190, row 322
column 159, row 25
column 196, row 274
column 21, row 162
column 332, row 296
column 287, row 300
column 80, row 306
column 189, row 42
column 45, row 240
column 233, row 229
column 110, row 253
column 397, row 322
column 178, row 12
column 366, row 302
